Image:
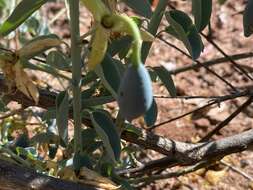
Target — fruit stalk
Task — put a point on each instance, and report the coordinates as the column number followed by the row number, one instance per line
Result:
column 119, row 23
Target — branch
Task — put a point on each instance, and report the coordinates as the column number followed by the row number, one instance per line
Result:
column 150, row 166
column 211, row 41
column 149, row 179
column 214, row 62
column 189, row 153
column 15, row 177
column 180, row 153
column 227, row 120
column 215, row 101
column 199, row 63
column 237, row 170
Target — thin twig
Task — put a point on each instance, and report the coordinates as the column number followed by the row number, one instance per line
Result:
column 150, row 166
column 198, row 62
column 58, row 15
column 222, row 99
column 227, row 56
column 189, row 97
column 237, row 170
column 180, row 116
column 149, row 179
column 212, row 62
column 227, row 120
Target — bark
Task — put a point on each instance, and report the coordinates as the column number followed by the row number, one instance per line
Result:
column 176, row 152
column 15, row 177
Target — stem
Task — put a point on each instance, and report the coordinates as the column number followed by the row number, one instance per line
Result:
column 76, row 71
column 122, row 23
column 153, row 26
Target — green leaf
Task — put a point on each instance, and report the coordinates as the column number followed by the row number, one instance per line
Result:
column 166, row 79
column 120, row 45
column 58, row 60
column 22, row 141
column 195, row 41
column 62, row 110
column 52, row 150
column 106, row 169
column 5, row 128
column 106, row 129
column 23, row 10
column 142, row 7
column 88, row 136
column 44, row 68
column 185, row 31
column 89, row 140
column 90, row 91
column 88, row 78
column 247, row 19
column 2, row 4
column 109, row 75
column 132, row 129
column 202, row 10
column 29, row 152
column 151, row 115
column 97, row 101
column 170, row 30
column 137, row 20
column 49, row 114
column 124, row 184
column 81, row 160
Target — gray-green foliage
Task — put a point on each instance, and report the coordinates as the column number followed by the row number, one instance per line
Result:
column 102, row 145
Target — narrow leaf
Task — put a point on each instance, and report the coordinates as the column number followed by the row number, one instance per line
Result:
column 23, row 10
column 141, row 7
column 109, row 74
column 166, row 79
column 185, row 30
column 119, row 44
column 247, row 19
column 202, row 10
column 151, row 115
column 96, row 101
column 58, row 60
column 81, row 160
column 106, row 129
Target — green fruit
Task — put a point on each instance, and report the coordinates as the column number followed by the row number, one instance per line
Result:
column 135, row 92
column 248, row 19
